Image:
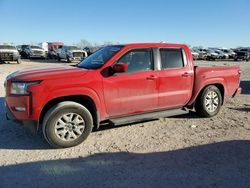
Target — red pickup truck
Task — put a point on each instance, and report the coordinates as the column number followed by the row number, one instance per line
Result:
column 118, row 84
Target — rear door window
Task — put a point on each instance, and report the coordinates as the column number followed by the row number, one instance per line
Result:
column 171, row 58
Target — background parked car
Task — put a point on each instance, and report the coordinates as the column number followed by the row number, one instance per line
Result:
column 9, row 53
column 53, row 49
column 71, row 53
column 221, row 54
column 231, row 54
column 195, row 54
column 21, row 50
column 242, row 54
column 202, row 53
column 44, row 45
column 211, row 54
column 34, row 52
column 90, row 50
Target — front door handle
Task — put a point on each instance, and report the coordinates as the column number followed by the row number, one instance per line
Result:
column 186, row 74
column 151, row 77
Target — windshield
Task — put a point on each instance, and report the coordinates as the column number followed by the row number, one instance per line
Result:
column 72, row 48
column 7, row 47
column 99, row 58
column 35, row 47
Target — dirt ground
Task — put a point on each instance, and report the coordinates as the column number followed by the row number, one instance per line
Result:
column 183, row 151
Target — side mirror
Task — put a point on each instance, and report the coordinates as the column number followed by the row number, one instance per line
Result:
column 120, row 68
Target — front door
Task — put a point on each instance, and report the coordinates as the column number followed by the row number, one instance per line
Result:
column 134, row 91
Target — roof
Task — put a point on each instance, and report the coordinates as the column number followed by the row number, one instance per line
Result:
column 152, row 45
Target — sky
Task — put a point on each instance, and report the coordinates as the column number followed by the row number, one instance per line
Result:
column 220, row 23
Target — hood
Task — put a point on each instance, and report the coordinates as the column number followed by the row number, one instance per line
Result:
column 76, row 51
column 6, row 50
column 47, row 73
column 214, row 53
column 36, row 49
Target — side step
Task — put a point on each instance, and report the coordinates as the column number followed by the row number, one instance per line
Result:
column 147, row 116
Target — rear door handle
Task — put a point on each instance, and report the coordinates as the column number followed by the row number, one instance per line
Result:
column 186, row 74
column 151, row 77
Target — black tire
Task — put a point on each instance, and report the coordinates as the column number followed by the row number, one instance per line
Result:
column 202, row 108
column 68, row 60
column 58, row 58
column 53, row 116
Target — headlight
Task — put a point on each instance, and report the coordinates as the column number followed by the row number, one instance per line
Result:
column 21, row 88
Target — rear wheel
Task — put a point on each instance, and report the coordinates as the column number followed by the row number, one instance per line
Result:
column 209, row 102
column 67, row 124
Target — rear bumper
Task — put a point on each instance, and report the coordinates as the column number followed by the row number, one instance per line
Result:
column 237, row 92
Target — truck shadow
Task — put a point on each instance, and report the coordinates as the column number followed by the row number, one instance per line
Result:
column 224, row 164
column 246, row 108
column 245, row 85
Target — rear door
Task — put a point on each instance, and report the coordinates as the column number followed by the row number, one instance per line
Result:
column 175, row 78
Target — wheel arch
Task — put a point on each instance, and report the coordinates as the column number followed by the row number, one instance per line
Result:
column 84, row 100
column 220, row 86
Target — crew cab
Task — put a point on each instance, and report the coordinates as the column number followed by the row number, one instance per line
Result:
column 117, row 84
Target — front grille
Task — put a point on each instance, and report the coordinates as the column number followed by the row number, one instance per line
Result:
column 36, row 52
column 6, row 55
column 78, row 54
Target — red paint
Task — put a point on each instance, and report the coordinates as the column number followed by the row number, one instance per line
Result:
column 123, row 94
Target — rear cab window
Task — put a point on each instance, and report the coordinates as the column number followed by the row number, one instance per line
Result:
column 172, row 58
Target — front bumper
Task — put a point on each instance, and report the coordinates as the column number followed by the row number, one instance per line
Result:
column 9, row 57
column 10, row 115
column 38, row 56
column 30, row 125
column 75, row 58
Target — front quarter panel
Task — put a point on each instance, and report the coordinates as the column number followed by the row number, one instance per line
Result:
column 56, row 88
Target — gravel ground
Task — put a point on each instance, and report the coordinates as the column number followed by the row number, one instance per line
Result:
column 183, row 151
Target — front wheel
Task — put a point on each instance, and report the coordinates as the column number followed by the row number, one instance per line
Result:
column 67, row 124
column 209, row 103
column 69, row 60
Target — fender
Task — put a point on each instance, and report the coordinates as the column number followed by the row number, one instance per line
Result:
column 64, row 92
column 202, row 83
